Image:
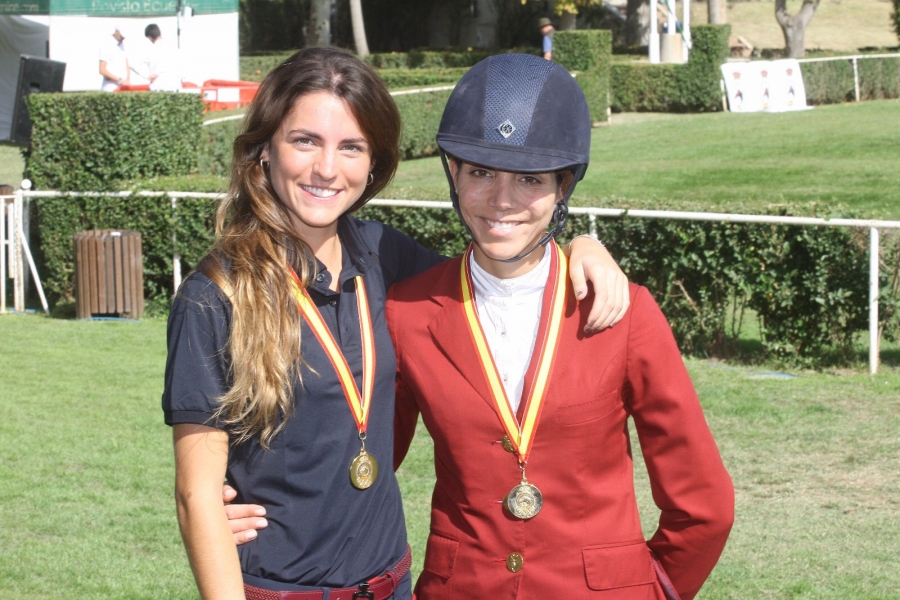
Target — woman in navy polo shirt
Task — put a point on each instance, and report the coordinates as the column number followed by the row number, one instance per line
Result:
column 280, row 376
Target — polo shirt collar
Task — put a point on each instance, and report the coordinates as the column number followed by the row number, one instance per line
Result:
column 356, row 257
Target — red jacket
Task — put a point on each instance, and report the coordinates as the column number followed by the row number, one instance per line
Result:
column 587, row 540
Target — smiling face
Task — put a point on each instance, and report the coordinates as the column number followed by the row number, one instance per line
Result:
column 507, row 213
column 319, row 162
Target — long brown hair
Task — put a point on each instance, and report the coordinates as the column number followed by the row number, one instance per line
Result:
column 256, row 241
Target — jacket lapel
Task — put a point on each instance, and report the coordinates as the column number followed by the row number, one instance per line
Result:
column 450, row 332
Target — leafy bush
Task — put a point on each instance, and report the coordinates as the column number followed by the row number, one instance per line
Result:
column 438, row 59
column 589, row 53
column 642, row 87
column 690, row 87
column 255, row 68
column 895, row 16
column 388, row 60
column 215, row 149
column 95, row 141
column 421, row 114
column 186, row 230
column 831, row 82
column 806, row 284
column 404, row 78
column 698, row 80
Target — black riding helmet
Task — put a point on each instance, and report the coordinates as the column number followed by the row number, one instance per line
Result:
column 518, row 113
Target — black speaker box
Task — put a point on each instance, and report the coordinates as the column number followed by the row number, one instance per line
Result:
column 35, row 75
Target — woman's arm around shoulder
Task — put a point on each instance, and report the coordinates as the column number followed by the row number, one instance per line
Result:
column 201, row 456
column 590, row 261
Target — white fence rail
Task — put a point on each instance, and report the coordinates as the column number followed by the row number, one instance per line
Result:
column 14, row 246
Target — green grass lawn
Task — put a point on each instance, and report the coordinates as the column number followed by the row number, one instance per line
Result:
column 86, row 464
column 722, row 161
column 11, row 165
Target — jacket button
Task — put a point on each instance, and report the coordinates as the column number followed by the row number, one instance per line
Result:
column 507, row 444
column 514, row 562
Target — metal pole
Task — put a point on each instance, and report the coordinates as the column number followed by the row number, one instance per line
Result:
column 592, row 228
column 855, row 79
column 19, row 281
column 873, row 301
column 3, row 240
column 176, row 258
column 653, row 48
column 37, row 278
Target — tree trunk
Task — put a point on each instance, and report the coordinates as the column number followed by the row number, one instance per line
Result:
column 637, row 23
column 716, row 12
column 359, row 28
column 319, row 23
column 567, row 21
column 794, row 27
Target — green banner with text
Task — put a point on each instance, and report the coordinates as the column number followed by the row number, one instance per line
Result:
column 114, row 8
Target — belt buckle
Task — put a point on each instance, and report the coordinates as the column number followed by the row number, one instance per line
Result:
column 363, row 592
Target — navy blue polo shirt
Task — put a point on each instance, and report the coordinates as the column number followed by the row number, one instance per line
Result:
column 322, row 531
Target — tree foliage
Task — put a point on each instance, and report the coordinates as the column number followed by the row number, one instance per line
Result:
column 895, row 16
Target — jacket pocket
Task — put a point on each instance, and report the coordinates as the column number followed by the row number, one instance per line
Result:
column 440, row 555
column 573, row 414
column 610, row 567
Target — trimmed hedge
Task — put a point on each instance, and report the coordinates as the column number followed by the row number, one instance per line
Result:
column 255, row 68
column 831, row 82
column 95, row 141
column 642, row 87
column 421, row 115
column 589, row 54
column 187, row 230
column 690, row 87
column 215, row 151
column 406, row 78
column 438, row 59
column 806, row 284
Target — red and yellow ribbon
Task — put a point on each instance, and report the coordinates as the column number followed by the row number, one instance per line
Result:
column 521, row 431
column 359, row 403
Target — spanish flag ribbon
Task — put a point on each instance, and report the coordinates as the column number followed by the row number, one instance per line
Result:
column 359, row 404
column 521, row 429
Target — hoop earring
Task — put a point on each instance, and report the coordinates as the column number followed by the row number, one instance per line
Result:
column 371, row 179
column 264, row 164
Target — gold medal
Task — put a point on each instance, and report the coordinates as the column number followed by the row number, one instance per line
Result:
column 364, row 470
column 524, row 501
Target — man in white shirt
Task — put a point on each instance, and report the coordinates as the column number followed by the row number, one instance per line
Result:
column 156, row 63
column 114, row 62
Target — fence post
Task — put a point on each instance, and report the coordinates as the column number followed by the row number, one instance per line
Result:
column 176, row 257
column 3, row 254
column 874, row 342
column 18, row 266
column 855, row 79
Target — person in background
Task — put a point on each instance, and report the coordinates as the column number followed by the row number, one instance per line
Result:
column 280, row 373
column 155, row 62
column 114, row 65
column 547, row 30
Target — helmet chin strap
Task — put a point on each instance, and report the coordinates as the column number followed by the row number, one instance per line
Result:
column 559, row 216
